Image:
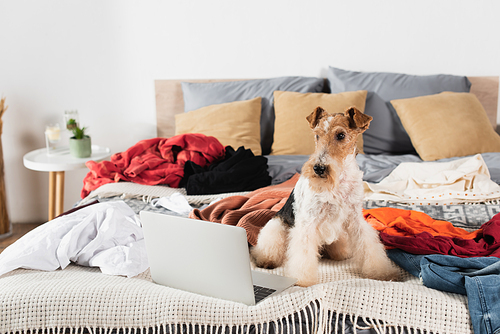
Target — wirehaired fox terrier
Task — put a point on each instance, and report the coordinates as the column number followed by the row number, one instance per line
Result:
column 323, row 214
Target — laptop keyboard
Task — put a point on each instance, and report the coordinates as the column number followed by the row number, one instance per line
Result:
column 261, row 292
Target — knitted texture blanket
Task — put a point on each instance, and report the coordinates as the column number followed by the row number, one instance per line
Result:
column 79, row 298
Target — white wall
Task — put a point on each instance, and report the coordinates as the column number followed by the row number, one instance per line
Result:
column 101, row 58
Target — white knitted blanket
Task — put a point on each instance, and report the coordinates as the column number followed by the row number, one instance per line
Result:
column 78, row 298
column 81, row 298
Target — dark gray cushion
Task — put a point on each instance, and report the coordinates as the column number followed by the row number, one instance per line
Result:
column 386, row 133
column 198, row 95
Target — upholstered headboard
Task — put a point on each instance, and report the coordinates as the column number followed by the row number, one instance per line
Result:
column 486, row 90
column 169, row 100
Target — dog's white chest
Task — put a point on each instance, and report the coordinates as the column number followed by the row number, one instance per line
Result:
column 319, row 211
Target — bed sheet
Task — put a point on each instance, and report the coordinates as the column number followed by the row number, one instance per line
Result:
column 468, row 217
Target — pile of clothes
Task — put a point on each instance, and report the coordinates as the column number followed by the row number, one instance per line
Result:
column 197, row 162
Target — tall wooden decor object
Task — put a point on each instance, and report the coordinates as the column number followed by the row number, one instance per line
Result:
column 4, row 216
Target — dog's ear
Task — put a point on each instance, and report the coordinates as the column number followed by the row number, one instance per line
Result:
column 357, row 119
column 316, row 116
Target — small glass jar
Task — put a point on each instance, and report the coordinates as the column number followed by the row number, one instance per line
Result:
column 71, row 119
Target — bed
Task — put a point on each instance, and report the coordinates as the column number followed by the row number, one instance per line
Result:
column 94, row 295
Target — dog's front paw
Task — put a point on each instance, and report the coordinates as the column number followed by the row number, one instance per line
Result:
column 271, row 245
column 262, row 262
column 266, row 265
column 305, row 276
column 263, row 258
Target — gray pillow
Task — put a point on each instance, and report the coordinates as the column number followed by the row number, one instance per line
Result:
column 386, row 134
column 198, row 95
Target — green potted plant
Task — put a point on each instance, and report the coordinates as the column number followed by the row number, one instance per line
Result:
column 71, row 124
column 80, row 145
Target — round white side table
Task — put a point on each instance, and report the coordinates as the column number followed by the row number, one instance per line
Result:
column 56, row 164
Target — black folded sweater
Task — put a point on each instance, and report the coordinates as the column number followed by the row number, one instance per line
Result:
column 240, row 170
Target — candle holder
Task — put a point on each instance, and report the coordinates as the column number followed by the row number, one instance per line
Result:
column 52, row 138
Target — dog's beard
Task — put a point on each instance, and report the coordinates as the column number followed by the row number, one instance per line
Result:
column 319, row 183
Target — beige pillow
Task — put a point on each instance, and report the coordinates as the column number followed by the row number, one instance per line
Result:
column 447, row 125
column 292, row 134
column 235, row 123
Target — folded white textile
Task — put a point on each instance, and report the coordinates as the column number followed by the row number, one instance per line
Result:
column 105, row 235
column 463, row 181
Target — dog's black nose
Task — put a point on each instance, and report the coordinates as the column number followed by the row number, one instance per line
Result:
column 319, row 169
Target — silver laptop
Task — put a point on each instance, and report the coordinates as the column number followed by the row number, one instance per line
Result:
column 206, row 258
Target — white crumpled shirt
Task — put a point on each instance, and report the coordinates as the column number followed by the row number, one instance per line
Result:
column 105, row 235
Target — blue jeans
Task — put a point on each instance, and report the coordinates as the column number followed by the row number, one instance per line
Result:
column 476, row 277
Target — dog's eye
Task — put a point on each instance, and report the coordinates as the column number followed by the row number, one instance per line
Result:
column 316, row 137
column 340, row 136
